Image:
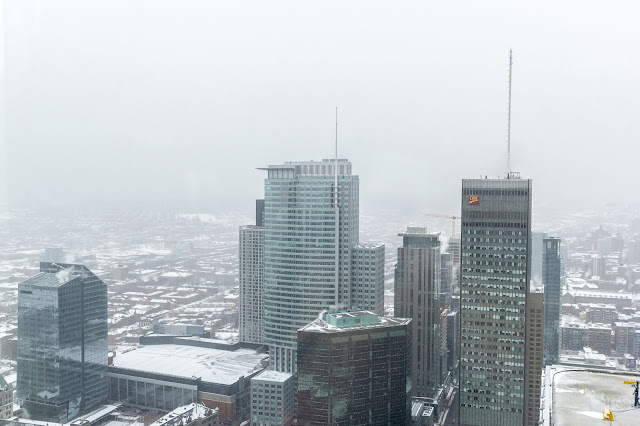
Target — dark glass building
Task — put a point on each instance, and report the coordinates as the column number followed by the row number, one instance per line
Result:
column 552, row 281
column 62, row 342
column 494, row 282
column 354, row 368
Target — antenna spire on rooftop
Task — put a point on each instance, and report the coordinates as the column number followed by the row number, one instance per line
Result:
column 509, row 116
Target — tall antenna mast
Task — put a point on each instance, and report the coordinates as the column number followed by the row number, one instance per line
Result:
column 509, row 116
column 337, row 210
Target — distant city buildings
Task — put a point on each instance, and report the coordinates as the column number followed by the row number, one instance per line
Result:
column 417, row 291
column 496, row 245
column 62, row 342
column 354, row 368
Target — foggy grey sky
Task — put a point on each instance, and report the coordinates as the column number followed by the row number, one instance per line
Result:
column 179, row 101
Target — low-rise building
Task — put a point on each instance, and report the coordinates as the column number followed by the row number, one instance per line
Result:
column 6, row 399
column 166, row 376
column 189, row 415
column 273, row 400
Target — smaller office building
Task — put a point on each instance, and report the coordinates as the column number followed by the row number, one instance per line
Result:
column 272, row 399
column 354, row 368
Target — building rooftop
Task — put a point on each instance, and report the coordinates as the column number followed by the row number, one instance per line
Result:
column 46, row 279
column 209, row 364
column 579, row 396
column 346, row 321
column 272, row 376
column 195, row 411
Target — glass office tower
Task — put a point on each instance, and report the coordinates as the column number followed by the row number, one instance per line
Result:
column 307, row 249
column 494, row 279
column 552, row 281
column 62, row 342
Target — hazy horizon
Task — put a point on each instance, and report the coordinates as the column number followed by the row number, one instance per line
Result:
column 178, row 103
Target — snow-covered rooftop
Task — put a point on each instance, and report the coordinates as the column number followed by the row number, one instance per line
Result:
column 272, row 376
column 210, row 365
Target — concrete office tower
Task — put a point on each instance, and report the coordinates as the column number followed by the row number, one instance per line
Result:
column 354, row 368
column 367, row 278
column 62, row 342
column 308, row 247
column 251, row 277
column 535, row 355
column 494, row 280
column 417, row 288
column 446, row 279
column 552, row 281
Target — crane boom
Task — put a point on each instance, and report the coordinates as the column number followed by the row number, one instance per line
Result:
column 446, row 216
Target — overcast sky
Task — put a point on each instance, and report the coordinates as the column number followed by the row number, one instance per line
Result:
column 179, row 102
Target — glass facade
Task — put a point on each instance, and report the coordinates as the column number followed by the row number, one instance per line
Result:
column 355, row 376
column 62, row 342
column 494, row 279
column 151, row 393
column 305, row 253
column 552, row 281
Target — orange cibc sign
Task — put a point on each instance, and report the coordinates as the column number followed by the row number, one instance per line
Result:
column 474, row 200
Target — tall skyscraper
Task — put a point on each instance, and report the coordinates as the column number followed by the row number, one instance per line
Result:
column 354, row 368
column 62, row 342
column 535, row 355
column 251, row 280
column 552, row 281
column 417, row 289
column 311, row 228
column 494, row 279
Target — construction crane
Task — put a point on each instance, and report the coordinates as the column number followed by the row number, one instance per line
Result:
column 453, row 221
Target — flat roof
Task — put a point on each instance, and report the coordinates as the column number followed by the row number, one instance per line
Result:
column 322, row 326
column 210, row 365
column 579, row 396
column 272, row 376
